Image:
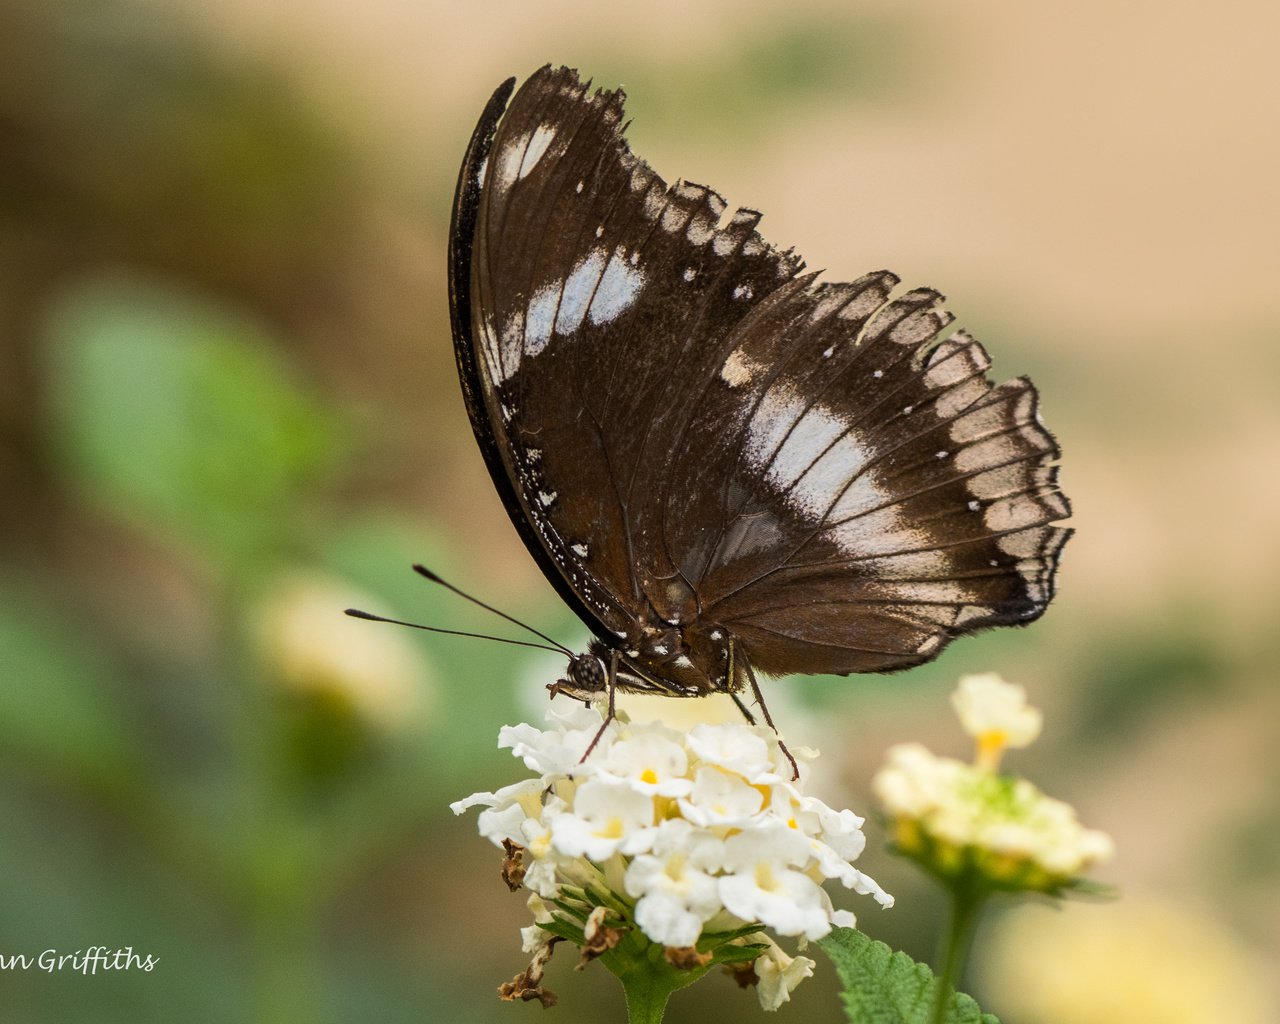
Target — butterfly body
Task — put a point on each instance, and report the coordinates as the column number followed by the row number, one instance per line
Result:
column 719, row 461
column 689, row 661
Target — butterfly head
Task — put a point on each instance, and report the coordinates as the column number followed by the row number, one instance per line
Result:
column 585, row 678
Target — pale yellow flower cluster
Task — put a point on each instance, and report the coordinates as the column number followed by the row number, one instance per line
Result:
column 957, row 818
column 311, row 648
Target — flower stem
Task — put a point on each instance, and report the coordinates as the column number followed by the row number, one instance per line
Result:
column 646, row 998
column 966, row 906
column 647, row 978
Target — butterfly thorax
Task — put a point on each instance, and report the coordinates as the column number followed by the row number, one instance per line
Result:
column 676, row 661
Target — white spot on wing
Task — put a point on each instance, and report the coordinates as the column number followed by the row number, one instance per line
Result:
column 815, row 429
column 827, row 305
column 738, row 369
column 818, row 465
column 824, row 471
column 1024, row 544
column 488, row 336
column 960, row 397
column 970, row 613
column 618, row 290
column 578, row 287
column 582, row 551
column 509, row 164
column 542, row 311
column 700, row 230
column 770, row 423
column 673, row 218
column 830, row 478
column 510, row 343
column 538, row 143
column 994, row 451
column 1012, row 513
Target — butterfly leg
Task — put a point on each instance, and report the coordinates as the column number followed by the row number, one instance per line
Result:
column 729, row 676
column 746, row 712
column 764, row 710
column 611, row 685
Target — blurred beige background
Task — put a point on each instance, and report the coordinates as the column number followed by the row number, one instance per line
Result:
column 1094, row 189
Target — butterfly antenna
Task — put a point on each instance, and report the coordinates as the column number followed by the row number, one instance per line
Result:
column 423, row 571
column 356, row 613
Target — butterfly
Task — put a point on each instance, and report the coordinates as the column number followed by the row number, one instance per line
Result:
column 723, row 464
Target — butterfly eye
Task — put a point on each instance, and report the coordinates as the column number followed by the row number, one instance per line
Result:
column 587, row 673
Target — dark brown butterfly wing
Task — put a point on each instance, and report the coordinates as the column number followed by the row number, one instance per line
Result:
column 576, row 329
column 883, row 496
column 668, row 407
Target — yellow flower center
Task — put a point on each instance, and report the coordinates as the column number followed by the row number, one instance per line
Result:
column 765, row 878
column 612, row 829
column 991, row 746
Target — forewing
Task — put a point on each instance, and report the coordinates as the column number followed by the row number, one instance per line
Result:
column 597, row 299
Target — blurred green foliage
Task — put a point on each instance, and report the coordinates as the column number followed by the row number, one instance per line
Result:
column 176, row 413
column 1154, row 672
column 56, row 711
column 221, row 852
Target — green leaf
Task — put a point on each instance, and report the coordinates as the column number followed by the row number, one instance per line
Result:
column 884, row 987
column 183, row 417
column 736, row 954
column 563, row 929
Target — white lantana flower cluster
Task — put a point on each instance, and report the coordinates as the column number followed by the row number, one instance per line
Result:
column 959, row 818
column 684, row 835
